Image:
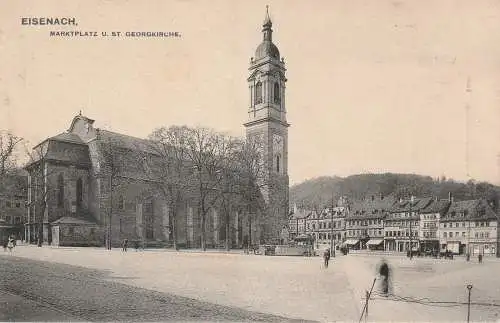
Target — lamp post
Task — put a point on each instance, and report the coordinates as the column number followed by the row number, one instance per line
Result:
column 469, row 287
column 332, row 242
column 468, row 240
column 411, row 238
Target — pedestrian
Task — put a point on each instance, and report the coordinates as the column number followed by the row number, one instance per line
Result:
column 384, row 273
column 326, row 257
column 10, row 244
column 136, row 245
column 480, row 258
column 5, row 243
column 125, row 244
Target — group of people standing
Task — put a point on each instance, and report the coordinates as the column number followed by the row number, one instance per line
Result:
column 125, row 245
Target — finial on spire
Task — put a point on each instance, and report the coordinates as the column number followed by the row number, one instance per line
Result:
column 267, row 26
column 80, row 113
column 267, row 21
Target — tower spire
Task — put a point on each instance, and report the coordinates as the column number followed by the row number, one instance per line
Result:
column 267, row 26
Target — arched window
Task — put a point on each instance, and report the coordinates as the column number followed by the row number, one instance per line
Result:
column 277, row 94
column 258, row 93
column 79, row 192
column 60, row 191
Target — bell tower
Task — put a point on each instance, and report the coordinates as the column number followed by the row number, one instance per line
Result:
column 267, row 123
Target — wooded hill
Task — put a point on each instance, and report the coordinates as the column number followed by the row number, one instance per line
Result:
column 319, row 192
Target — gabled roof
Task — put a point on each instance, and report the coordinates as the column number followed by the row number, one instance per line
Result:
column 372, row 207
column 439, row 206
column 406, row 205
column 470, row 210
column 300, row 214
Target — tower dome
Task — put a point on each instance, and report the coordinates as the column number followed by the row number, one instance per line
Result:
column 267, row 48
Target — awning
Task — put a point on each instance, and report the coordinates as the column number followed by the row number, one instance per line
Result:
column 374, row 242
column 350, row 242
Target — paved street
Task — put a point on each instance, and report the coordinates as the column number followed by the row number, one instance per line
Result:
column 32, row 290
column 163, row 285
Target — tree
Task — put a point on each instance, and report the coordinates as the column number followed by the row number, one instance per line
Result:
column 205, row 151
column 252, row 178
column 115, row 160
column 167, row 169
column 41, row 190
column 229, row 183
column 8, row 144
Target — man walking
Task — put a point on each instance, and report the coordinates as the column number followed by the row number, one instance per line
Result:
column 326, row 257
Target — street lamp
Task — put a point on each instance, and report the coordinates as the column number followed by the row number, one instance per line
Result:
column 332, row 243
column 411, row 238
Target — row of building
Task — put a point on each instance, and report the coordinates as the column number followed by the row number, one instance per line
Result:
column 390, row 224
column 13, row 197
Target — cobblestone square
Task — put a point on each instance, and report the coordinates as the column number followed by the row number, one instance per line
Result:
column 298, row 287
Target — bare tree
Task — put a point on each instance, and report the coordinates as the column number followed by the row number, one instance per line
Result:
column 41, row 190
column 205, row 154
column 167, row 169
column 8, row 144
column 252, row 179
column 229, row 183
column 115, row 159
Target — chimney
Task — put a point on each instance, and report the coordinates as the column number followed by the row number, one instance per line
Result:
column 450, row 198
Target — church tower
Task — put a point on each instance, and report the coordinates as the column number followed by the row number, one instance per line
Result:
column 267, row 123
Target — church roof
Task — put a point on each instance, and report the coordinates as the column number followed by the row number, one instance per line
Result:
column 78, row 156
column 68, row 137
column 125, row 141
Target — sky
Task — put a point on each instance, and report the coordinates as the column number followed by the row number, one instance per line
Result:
column 373, row 86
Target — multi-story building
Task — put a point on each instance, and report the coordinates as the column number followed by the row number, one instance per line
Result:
column 325, row 226
column 299, row 221
column 13, row 197
column 470, row 227
column 429, row 224
column 402, row 225
column 328, row 225
column 365, row 223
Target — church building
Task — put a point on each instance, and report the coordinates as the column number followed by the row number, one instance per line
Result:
column 76, row 197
